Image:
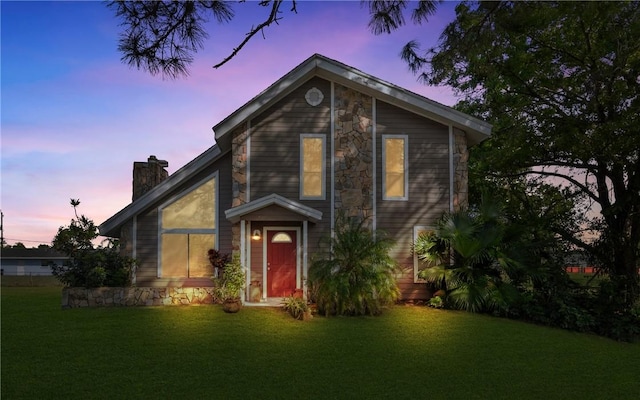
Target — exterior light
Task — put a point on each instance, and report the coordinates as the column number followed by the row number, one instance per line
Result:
column 256, row 235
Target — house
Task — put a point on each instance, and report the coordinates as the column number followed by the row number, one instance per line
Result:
column 29, row 262
column 325, row 139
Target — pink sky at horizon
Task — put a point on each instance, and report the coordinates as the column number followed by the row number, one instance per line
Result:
column 74, row 118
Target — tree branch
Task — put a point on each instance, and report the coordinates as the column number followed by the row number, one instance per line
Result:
column 273, row 17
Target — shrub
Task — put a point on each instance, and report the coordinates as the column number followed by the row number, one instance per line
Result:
column 355, row 274
column 232, row 280
column 89, row 266
column 475, row 258
column 436, row 302
column 217, row 260
column 297, row 307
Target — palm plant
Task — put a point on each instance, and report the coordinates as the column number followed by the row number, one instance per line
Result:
column 474, row 257
column 355, row 274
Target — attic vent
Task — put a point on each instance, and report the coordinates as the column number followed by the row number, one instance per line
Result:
column 314, row 96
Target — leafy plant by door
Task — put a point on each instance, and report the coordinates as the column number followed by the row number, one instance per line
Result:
column 355, row 274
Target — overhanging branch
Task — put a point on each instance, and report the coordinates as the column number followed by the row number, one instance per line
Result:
column 273, row 17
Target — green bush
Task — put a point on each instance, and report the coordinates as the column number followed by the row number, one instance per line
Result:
column 475, row 258
column 297, row 307
column 231, row 281
column 354, row 275
column 89, row 265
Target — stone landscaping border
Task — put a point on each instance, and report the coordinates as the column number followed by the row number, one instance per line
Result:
column 76, row 297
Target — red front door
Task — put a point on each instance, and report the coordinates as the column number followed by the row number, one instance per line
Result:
column 281, row 263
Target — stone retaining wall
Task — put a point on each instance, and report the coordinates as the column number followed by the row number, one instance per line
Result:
column 135, row 296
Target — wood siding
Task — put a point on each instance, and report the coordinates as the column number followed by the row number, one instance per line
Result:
column 273, row 166
column 428, row 185
column 148, row 235
column 274, row 162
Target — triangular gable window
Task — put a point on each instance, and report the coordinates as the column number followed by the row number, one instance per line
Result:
column 188, row 228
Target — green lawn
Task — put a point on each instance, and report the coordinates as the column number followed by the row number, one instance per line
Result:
column 409, row 352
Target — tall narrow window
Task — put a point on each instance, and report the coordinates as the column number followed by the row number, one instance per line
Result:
column 394, row 167
column 188, row 231
column 312, row 166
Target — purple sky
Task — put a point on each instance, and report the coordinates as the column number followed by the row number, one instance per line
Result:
column 74, row 118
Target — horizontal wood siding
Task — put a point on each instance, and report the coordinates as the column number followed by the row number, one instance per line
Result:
column 274, row 165
column 148, row 233
column 147, row 246
column 428, row 185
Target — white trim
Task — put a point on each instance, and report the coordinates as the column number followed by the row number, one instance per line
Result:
column 234, row 214
column 247, row 266
column 243, row 242
column 406, row 167
column 374, row 154
column 247, row 195
column 323, row 190
column 216, row 187
column 332, row 70
column 185, row 173
column 243, row 254
column 305, row 257
column 299, row 252
column 333, row 158
column 134, row 245
column 451, row 172
column 416, row 264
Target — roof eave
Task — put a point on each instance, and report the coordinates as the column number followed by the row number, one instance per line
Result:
column 235, row 214
column 318, row 65
column 111, row 227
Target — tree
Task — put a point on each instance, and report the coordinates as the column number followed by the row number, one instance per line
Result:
column 560, row 82
column 162, row 37
column 89, row 266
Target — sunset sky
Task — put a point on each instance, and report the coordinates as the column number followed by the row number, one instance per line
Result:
column 74, row 118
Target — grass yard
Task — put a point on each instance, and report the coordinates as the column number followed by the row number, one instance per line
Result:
column 409, row 352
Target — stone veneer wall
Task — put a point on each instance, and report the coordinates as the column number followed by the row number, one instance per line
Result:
column 238, row 177
column 461, row 170
column 135, row 296
column 353, row 153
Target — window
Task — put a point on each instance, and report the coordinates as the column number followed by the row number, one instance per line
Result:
column 394, row 167
column 281, row 237
column 187, row 231
column 312, row 166
column 417, row 264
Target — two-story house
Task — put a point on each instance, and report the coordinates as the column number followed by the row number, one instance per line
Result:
column 326, row 139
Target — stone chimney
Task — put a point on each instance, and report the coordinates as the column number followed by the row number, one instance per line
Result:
column 147, row 175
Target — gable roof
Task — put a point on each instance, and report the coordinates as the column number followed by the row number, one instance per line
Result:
column 112, row 226
column 319, row 65
column 316, row 65
column 236, row 213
